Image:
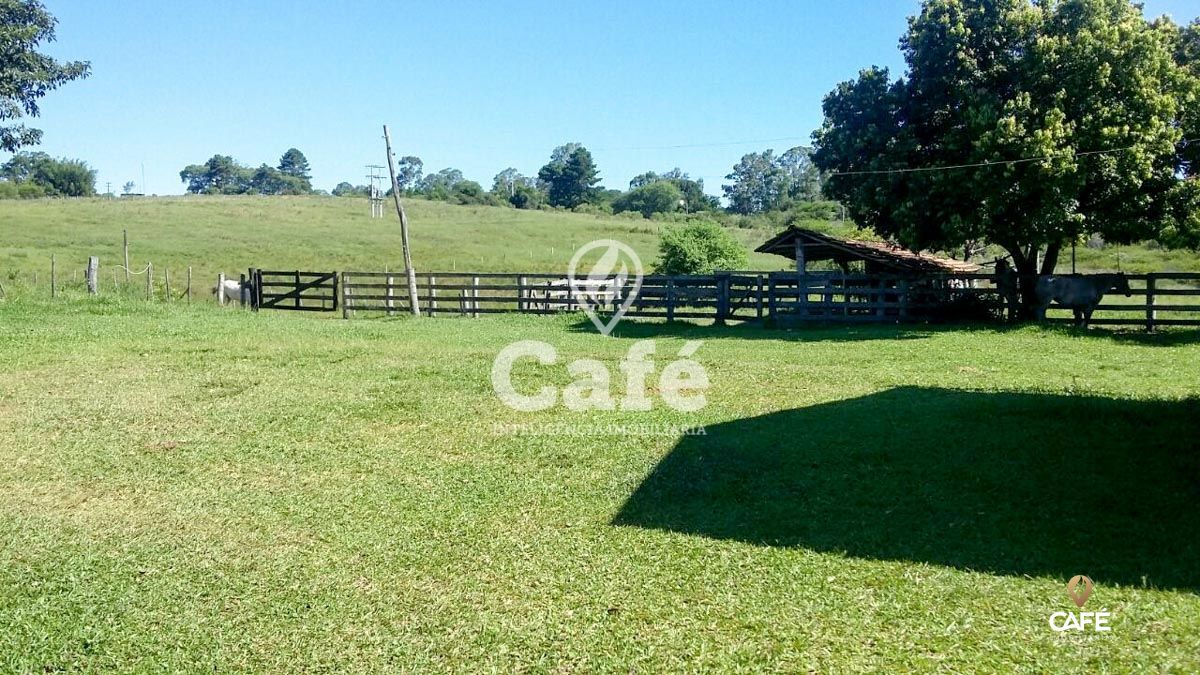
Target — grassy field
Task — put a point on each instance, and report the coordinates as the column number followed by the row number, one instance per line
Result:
column 197, row 489
column 231, row 234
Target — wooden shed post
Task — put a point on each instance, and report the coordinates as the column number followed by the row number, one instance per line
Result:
column 801, row 282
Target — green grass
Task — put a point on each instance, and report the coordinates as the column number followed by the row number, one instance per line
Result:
column 231, row 234
column 197, row 489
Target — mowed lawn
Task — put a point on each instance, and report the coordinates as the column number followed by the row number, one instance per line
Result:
column 204, row 489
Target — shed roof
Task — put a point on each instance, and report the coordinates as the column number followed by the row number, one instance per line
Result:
column 820, row 246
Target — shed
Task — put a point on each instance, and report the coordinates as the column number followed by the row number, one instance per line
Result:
column 806, row 246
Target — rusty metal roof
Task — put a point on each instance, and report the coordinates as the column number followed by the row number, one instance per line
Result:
column 820, row 246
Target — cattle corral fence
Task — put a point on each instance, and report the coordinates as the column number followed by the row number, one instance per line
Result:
column 1160, row 299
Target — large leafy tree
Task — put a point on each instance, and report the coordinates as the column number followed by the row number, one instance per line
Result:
column 757, row 184
column 570, row 176
column 1064, row 116
column 221, row 174
column 408, row 172
column 25, row 74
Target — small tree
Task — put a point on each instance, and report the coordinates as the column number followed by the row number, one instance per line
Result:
column 657, row 197
column 294, row 164
column 699, row 248
column 408, row 172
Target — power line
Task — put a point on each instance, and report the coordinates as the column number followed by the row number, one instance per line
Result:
column 704, row 145
column 1003, row 162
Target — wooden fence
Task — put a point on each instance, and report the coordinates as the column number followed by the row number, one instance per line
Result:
column 1155, row 300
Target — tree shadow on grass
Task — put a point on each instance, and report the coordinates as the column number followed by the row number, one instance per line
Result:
column 644, row 329
column 1003, row 483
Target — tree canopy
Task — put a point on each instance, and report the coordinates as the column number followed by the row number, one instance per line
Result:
column 36, row 174
column 1063, row 118
column 570, row 176
column 659, row 196
column 762, row 182
column 222, row 174
column 27, row 75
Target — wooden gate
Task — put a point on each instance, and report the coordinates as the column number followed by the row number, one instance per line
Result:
column 296, row 291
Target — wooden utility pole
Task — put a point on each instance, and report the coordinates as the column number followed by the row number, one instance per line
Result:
column 408, row 267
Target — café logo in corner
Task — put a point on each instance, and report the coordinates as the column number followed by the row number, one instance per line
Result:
column 1079, row 589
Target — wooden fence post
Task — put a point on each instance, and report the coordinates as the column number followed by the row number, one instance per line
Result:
column 771, row 309
column 167, row 282
column 1151, row 315
column 221, row 289
column 125, row 238
column 431, row 302
column 389, row 302
column 149, row 280
column 670, row 298
column 758, row 297
column 53, row 277
column 243, row 290
column 93, row 275
column 722, row 298
column 521, row 291
column 474, row 297
column 345, row 295
column 189, row 285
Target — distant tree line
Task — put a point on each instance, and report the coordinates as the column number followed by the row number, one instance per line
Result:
column 30, row 175
column 221, row 174
column 761, row 183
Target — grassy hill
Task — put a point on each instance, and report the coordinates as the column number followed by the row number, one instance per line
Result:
column 231, row 234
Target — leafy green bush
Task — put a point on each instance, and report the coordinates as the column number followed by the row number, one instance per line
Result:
column 699, row 248
column 658, row 197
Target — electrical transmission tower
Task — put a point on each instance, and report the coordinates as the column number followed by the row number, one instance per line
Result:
column 375, row 189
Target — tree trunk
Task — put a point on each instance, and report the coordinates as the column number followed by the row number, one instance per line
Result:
column 1025, row 261
column 1025, row 265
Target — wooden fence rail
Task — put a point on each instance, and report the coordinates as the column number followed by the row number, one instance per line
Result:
column 1155, row 299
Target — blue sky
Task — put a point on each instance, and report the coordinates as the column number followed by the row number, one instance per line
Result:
column 478, row 86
